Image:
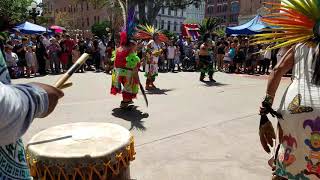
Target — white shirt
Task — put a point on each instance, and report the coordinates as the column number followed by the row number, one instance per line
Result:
column 11, row 59
column 171, row 52
column 267, row 54
column 102, row 49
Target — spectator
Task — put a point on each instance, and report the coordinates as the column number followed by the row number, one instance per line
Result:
column 171, row 51
column 54, row 50
column 41, row 55
column 75, row 54
column 96, row 54
column 11, row 61
column 21, row 49
column 31, row 61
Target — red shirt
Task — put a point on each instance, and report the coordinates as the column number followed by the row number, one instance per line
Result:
column 120, row 60
column 69, row 45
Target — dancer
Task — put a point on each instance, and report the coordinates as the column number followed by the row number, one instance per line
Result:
column 205, row 61
column 125, row 78
column 155, row 38
column 298, row 154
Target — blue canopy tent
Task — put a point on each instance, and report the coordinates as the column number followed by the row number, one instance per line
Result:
column 30, row 28
column 252, row 27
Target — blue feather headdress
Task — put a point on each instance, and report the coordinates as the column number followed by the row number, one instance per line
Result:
column 129, row 28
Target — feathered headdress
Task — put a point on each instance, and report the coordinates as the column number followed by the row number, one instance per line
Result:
column 295, row 21
column 147, row 32
column 128, row 30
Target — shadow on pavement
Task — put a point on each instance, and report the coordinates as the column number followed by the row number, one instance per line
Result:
column 211, row 84
column 158, row 91
column 132, row 114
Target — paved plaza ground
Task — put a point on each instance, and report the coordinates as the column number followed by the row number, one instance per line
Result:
column 194, row 131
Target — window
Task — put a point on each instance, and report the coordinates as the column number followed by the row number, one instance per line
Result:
column 162, row 24
column 94, row 19
column 182, row 12
column 98, row 19
column 162, row 11
column 82, row 22
column 87, row 6
column 175, row 26
column 65, row 9
column 88, row 21
column 176, row 12
column 81, row 6
column 155, row 23
column 169, row 12
column 169, row 26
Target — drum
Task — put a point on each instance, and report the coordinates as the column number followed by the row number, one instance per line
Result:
column 81, row 151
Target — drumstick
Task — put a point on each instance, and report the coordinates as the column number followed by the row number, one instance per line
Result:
column 60, row 84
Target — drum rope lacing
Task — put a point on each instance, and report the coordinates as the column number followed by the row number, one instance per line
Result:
column 41, row 170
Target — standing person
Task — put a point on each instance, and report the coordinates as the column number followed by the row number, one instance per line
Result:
column 171, row 50
column 125, row 78
column 69, row 44
column 177, row 59
column 96, row 55
column 205, row 62
column 20, row 105
column 220, row 55
column 54, row 51
column 31, row 61
column 41, row 56
column 11, row 60
column 102, row 47
column 21, row 50
column 75, row 54
column 267, row 60
column 109, row 50
column 152, row 64
column 155, row 37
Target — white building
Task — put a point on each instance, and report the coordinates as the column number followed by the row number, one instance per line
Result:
column 170, row 20
column 195, row 14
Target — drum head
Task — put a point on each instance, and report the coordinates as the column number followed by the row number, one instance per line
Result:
column 78, row 142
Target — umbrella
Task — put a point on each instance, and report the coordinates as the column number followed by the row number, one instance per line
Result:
column 57, row 29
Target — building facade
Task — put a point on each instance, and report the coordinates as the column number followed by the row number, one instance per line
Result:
column 228, row 10
column 79, row 16
column 250, row 8
column 195, row 13
column 171, row 20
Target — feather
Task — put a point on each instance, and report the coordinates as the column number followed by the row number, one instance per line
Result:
column 295, row 23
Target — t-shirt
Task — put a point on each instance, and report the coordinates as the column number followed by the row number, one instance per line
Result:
column 11, row 59
column 171, row 52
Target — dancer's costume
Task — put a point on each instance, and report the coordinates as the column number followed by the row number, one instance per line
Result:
column 297, row 25
column 125, row 77
column 147, row 33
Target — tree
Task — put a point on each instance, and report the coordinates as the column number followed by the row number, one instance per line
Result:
column 153, row 6
column 63, row 19
column 210, row 24
column 99, row 29
column 15, row 9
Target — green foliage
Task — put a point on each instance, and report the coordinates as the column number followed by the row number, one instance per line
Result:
column 209, row 25
column 169, row 34
column 220, row 32
column 99, row 29
column 16, row 10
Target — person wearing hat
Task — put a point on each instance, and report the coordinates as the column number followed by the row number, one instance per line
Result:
column 20, row 105
column 11, row 60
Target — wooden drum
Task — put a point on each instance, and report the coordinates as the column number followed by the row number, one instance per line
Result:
column 81, row 151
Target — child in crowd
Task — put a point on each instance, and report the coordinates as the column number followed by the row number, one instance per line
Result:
column 75, row 54
column 31, row 61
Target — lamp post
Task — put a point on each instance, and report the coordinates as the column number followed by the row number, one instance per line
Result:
column 34, row 11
